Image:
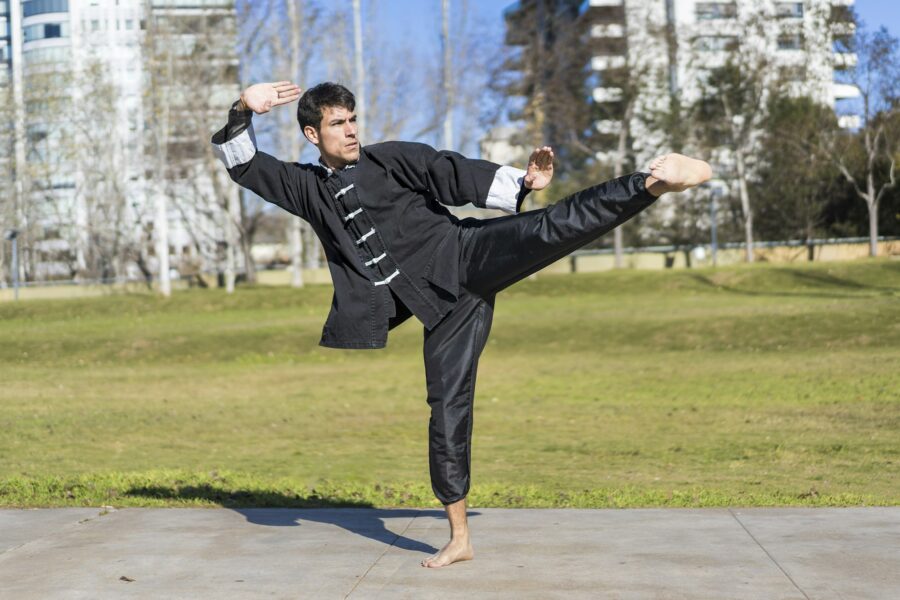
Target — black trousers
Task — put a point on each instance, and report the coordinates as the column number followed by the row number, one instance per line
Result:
column 494, row 254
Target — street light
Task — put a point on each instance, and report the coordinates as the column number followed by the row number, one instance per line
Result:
column 12, row 235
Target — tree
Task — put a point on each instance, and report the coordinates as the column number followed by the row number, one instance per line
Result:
column 187, row 51
column 730, row 116
column 549, row 70
column 795, row 181
column 868, row 160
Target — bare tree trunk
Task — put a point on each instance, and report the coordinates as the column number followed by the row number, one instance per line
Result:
column 161, row 216
column 618, row 169
column 873, row 229
column 360, row 73
column 872, row 205
column 447, row 74
column 745, row 203
column 296, row 251
column 232, row 216
column 161, row 232
column 295, row 237
column 22, row 185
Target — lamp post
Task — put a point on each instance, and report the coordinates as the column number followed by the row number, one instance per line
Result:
column 12, row 235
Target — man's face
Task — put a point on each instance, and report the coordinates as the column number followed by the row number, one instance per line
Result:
column 336, row 137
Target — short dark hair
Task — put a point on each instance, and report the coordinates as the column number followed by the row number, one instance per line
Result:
column 324, row 95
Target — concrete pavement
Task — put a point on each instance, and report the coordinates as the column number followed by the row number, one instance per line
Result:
column 791, row 553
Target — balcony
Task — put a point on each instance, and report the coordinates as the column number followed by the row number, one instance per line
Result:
column 843, row 28
column 606, row 12
column 608, row 94
column 844, row 91
column 608, row 127
column 605, row 63
column 845, row 60
column 608, row 30
column 849, row 122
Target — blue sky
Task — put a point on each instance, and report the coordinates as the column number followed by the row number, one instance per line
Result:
column 420, row 19
column 876, row 13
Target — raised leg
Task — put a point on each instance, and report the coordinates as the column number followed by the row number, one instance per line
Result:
column 499, row 252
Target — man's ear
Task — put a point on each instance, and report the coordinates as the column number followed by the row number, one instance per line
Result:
column 311, row 134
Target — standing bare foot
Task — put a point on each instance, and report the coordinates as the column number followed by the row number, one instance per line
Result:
column 676, row 173
column 456, row 550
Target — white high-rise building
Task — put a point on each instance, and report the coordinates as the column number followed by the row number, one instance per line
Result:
column 676, row 43
column 92, row 54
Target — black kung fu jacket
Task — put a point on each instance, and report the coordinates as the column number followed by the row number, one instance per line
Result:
column 380, row 222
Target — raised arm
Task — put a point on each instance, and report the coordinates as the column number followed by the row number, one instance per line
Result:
column 456, row 180
column 273, row 180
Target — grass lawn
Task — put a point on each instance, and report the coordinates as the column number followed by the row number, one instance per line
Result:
column 749, row 386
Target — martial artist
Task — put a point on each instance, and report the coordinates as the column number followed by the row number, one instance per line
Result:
column 394, row 251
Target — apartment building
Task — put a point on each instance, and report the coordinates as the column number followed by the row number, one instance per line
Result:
column 676, row 43
column 98, row 169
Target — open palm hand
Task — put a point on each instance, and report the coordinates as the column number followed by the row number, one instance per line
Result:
column 540, row 168
column 262, row 97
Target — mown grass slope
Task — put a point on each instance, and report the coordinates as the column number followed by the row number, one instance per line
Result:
column 751, row 386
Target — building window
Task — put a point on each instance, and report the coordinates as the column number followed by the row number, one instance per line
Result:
column 716, row 10
column 790, row 41
column 4, row 27
column 40, row 7
column 789, row 10
column 793, row 73
column 716, row 43
column 45, row 31
column 35, row 56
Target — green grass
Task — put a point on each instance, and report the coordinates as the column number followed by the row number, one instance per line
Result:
column 749, row 386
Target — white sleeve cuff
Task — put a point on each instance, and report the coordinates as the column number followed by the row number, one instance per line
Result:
column 237, row 151
column 505, row 188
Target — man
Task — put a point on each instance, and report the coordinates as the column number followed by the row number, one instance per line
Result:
column 394, row 251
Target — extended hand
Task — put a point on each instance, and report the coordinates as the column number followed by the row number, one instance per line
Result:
column 540, row 168
column 262, row 97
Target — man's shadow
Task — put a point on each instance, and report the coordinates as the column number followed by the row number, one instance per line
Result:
column 275, row 509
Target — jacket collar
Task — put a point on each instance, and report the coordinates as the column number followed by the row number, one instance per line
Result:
column 328, row 171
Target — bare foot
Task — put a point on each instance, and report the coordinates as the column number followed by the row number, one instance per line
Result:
column 456, row 550
column 678, row 172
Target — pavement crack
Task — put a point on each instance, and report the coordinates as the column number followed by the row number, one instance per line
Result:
column 66, row 527
column 772, row 558
column 380, row 556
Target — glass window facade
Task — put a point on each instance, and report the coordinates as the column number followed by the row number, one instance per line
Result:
column 716, row 43
column 40, row 7
column 789, row 10
column 41, row 55
column 715, row 10
column 46, row 31
column 790, row 41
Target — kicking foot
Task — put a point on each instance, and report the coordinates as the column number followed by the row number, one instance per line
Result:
column 678, row 172
column 455, row 551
